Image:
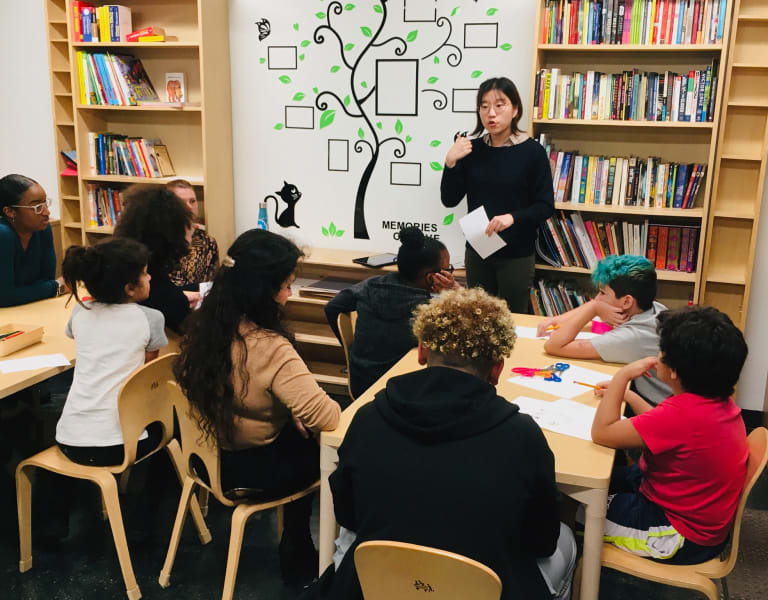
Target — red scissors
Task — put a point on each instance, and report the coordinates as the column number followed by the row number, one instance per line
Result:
column 530, row 372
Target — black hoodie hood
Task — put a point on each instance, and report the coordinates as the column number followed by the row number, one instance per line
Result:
column 390, row 299
column 441, row 404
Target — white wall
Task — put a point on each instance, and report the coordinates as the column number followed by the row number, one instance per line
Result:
column 26, row 122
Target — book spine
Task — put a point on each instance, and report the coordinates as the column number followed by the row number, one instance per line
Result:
column 593, row 240
column 693, row 249
column 673, row 249
column 684, row 248
column 653, row 234
column 661, row 248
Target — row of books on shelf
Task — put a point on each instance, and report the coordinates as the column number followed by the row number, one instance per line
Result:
column 112, row 154
column 552, row 298
column 624, row 181
column 627, row 96
column 568, row 240
column 108, row 23
column 655, row 22
column 104, row 204
column 115, row 79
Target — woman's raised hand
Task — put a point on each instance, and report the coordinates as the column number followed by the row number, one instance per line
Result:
column 461, row 147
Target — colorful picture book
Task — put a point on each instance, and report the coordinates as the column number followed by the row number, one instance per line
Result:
column 104, row 204
column 654, row 22
column 112, row 154
column 115, row 79
column 627, row 96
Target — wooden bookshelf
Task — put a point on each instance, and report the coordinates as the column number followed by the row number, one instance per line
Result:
column 739, row 166
column 198, row 136
column 680, row 142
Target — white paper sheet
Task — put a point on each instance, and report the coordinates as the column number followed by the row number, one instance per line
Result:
column 530, row 334
column 205, row 287
column 561, row 416
column 565, row 388
column 473, row 225
column 31, row 363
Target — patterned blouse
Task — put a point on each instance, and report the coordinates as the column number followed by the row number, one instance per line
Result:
column 200, row 264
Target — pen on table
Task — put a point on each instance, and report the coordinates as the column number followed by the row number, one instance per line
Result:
column 11, row 335
column 5, row 335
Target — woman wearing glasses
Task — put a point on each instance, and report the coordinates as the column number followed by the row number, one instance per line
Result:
column 507, row 173
column 28, row 265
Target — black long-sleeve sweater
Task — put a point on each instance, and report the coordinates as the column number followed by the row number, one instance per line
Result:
column 509, row 179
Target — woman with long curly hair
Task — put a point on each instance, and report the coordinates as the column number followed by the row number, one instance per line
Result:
column 251, row 390
column 154, row 216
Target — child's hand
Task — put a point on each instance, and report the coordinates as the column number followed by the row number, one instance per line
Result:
column 300, row 427
column 444, row 281
column 542, row 328
column 638, row 368
column 193, row 298
column 601, row 387
column 610, row 314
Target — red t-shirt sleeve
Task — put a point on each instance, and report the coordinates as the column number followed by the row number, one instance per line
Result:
column 660, row 427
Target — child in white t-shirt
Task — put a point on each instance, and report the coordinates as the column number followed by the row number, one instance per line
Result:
column 113, row 336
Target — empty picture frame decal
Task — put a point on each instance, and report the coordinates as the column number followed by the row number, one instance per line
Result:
column 397, row 87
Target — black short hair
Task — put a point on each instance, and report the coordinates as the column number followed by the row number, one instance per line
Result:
column 704, row 347
column 12, row 188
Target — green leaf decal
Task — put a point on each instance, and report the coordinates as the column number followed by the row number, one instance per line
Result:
column 349, row 6
column 448, row 219
column 476, row 74
column 366, row 31
column 301, row 57
column 377, row 8
column 346, row 100
column 332, row 229
column 454, row 11
column 435, row 143
column 491, row 11
column 436, row 166
column 412, row 35
column 408, row 138
column 262, row 60
column 327, row 118
column 432, row 79
column 320, row 15
column 325, row 231
column 335, row 68
column 437, row 60
column 506, row 47
column 348, row 47
column 285, row 79
column 305, row 43
column 398, row 127
column 378, row 124
column 298, row 96
column 363, row 84
column 296, row 26
column 339, row 232
column 314, row 89
column 360, row 133
column 278, row 126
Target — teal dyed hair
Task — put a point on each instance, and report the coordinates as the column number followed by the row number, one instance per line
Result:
column 628, row 274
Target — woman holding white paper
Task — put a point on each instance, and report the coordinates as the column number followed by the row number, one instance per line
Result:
column 509, row 175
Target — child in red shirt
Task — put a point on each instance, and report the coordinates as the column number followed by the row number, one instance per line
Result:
column 677, row 503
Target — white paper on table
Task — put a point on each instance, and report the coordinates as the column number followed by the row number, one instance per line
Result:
column 34, row 362
column 565, row 388
column 473, row 225
column 204, row 288
column 561, row 416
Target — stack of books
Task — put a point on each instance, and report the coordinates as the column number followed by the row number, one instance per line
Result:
column 552, row 298
column 656, row 22
column 105, row 205
column 626, row 96
column 112, row 154
column 569, row 240
column 115, row 79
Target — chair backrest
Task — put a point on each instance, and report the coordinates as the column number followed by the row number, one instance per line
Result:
column 144, row 399
column 198, row 450
column 758, row 455
column 346, row 324
column 398, row 570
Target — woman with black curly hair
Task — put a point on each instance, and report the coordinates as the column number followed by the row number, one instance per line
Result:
column 154, row 216
column 253, row 393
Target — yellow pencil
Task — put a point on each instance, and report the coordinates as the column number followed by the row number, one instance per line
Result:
column 596, row 387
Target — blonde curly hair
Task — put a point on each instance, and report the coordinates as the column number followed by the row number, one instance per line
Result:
column 467, row 327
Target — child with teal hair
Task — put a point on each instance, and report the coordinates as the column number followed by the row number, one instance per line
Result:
column 625, row 300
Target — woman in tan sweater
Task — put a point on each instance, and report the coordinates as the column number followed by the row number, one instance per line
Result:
column 240, row 370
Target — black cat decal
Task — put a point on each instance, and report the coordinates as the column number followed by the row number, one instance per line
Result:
column 290, row 195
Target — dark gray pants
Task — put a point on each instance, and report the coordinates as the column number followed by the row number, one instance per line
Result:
column 506, row 278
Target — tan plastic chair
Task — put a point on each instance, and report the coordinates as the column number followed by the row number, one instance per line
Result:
column 199, row 450
column 390, row 570
column 698, row 577
column 346, row 323
column 143, row 399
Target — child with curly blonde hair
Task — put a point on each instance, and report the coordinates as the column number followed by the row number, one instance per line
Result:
column 438, row 458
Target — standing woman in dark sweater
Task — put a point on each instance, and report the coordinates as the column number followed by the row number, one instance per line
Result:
column 507, row 173
column 154, row 216
column 28, row 265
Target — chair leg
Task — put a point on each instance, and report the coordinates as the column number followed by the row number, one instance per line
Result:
column 198, row 514
column 202, row 499
column 24, row 508
column 724, row 585
column 280, row 523
column 239, row 518
column 178, row 525
column 108, row 485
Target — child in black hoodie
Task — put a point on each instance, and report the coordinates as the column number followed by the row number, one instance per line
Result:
column 385, row 305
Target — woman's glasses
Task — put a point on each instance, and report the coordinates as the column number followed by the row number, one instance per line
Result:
column 38, row 208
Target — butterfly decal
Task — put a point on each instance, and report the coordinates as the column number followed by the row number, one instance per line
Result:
column 264, row 29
